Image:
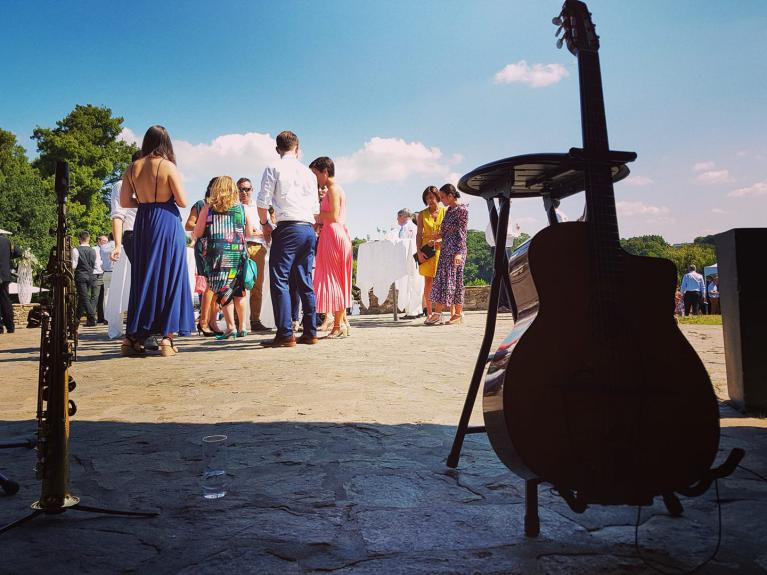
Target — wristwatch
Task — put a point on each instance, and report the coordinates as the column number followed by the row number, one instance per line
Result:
column 267, row 223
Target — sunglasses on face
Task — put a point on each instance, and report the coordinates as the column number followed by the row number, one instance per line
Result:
column 246, row 190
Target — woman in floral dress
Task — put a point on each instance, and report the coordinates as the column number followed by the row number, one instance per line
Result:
column 447, row 289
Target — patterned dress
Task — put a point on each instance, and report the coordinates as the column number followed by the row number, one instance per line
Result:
column 447, row 288
column 225, row 252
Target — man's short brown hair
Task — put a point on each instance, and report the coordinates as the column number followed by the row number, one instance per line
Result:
column 287, row 141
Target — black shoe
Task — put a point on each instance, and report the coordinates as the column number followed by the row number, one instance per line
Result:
column 258, row 326
column 90, row 324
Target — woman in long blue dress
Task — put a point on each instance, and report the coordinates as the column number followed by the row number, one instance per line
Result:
column 160, row 297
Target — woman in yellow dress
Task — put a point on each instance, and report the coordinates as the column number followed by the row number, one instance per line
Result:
column 429, row 221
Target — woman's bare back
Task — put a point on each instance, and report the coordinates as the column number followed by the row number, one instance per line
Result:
column 155, row 179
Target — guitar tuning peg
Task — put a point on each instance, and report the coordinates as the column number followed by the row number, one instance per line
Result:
column 556, row 20
column 558, row 32
column 560, row 42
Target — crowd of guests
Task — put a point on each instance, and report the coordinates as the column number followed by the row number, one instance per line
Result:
column 294, row 227
column 696, row 296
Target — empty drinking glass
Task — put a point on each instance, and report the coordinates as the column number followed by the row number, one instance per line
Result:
column 214, row 480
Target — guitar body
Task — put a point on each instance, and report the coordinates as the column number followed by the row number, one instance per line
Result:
column 611, row 403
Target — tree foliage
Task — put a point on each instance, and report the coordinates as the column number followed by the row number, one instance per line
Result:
column 478, row 269
column 700, row 253
column 87, row 139
column 27, row 205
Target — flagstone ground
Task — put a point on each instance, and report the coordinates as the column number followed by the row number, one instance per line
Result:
column 336, row 464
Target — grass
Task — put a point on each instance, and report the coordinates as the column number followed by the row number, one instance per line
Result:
column 701, row 320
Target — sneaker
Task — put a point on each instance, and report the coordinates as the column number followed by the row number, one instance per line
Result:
column 151, row 343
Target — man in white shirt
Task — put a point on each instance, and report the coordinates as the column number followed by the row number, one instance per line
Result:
column 693, row 290
column 407, row 229
column 291, row 189
column 86, row 263
column 256, row 251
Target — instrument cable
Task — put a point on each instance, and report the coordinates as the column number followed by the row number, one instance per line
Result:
column 676, row 570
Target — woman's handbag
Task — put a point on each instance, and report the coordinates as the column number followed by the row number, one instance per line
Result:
column 250, row 273
column 428, row 251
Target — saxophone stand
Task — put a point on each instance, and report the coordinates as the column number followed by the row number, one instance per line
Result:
column 58, row 341
column 71, row 503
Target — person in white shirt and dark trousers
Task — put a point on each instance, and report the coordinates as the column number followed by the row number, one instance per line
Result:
column 693, row 290
column 291, row 189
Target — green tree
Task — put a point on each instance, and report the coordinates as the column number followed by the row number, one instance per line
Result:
column 87, row 139
column 479, row 258
column 699, row 254
column 27, row 204
column 650, row 246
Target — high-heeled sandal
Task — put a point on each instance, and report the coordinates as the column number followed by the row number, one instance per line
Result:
column 228, row 335
column 336, row 333
column 133, row 348
column 167, row 349
column 434, row 319
column 241, row 333
column 201, row 331
column 455, row 319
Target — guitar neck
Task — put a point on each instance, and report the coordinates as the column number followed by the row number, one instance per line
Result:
column 600, row 197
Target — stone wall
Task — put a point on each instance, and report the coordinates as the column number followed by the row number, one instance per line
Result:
column 20, row 312
column 475, row 298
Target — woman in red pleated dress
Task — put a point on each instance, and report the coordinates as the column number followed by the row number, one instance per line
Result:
column 333, row 264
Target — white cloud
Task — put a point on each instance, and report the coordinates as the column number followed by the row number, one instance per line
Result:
column 234, row 155
column 129, row 136
column 537, row 75
column 638, row 181
column 758, row 189
column 393, row 160
column 633, row 209
column 714, row 177
column 718, row 211
column 703, row 166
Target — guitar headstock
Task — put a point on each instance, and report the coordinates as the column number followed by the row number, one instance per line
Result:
column 579, row 32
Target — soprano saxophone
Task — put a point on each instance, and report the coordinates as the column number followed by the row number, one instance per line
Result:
column 58, row 344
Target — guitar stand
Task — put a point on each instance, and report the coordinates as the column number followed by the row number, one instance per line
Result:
column 499, row 223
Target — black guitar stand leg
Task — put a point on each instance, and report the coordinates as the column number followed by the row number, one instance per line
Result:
column 492, row 312
column 506, row 285
column 532, row 523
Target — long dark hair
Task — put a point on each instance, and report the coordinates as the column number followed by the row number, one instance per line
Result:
column 157, row 143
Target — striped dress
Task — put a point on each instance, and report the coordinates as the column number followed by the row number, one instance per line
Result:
column 225, row 253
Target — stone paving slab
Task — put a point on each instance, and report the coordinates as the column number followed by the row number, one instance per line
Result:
column 316, row 489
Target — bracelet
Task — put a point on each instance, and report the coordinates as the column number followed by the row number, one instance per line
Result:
column 267, row 223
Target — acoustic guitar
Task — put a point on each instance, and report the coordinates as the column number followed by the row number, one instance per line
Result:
column 596, row 390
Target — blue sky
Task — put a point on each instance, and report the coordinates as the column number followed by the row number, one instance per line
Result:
column 404, row 94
